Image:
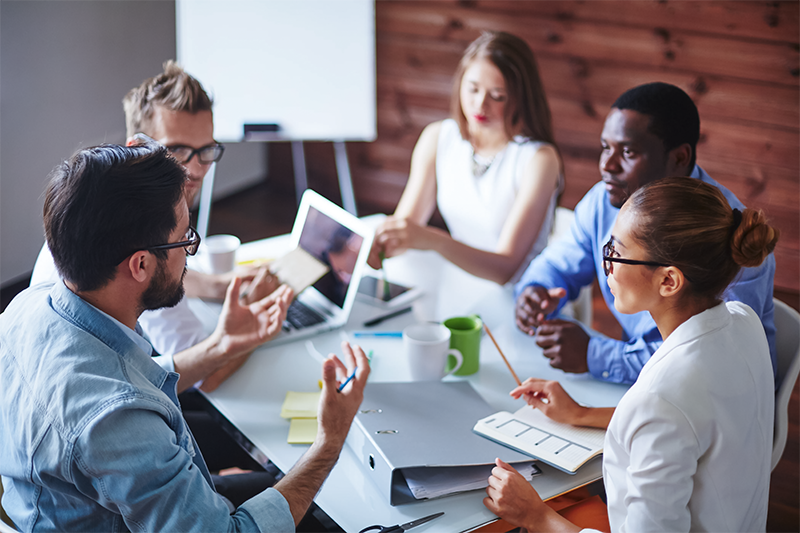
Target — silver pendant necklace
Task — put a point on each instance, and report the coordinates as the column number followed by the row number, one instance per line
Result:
column 481, row 164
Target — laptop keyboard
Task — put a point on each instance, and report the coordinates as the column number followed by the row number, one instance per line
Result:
column 301, row 316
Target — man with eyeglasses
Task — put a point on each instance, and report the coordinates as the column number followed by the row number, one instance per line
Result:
column 650, row 133
column 174, row 110
column 92, row 437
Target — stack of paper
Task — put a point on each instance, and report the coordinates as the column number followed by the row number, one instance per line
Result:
column 434, row 482
column 301, row 408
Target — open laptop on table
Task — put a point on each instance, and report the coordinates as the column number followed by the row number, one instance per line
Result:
column 342, row 242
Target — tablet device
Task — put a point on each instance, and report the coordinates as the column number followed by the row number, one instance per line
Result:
column 373, row 290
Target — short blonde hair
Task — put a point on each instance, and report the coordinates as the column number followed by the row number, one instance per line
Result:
column 173, row 89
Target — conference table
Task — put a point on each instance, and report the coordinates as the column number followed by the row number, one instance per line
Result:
column 251, row 399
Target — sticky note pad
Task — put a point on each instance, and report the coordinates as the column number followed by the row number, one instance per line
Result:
column 300, row 405
column 302, row 431
column 298, row 269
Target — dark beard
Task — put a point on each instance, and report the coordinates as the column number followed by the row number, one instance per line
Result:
column 161, row 293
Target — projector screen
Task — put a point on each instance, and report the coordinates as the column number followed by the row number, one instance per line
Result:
column 305, row 67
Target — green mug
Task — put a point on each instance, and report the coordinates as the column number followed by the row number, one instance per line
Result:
column 465, row 336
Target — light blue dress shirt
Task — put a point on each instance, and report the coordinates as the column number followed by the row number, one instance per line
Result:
column 574, row 262
column 91, row 433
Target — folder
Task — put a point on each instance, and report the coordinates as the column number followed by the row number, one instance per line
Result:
column 420, row 424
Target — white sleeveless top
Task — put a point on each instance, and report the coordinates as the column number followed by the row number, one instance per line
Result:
column 475, row 208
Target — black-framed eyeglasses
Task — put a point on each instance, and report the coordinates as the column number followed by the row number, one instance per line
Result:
column 608, row 258
column 210, row 153
column 190, row 243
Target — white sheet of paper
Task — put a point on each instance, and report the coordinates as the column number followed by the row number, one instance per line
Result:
column 434, row 482
column 298, row 269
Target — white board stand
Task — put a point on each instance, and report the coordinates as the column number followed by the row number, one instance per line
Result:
column 342, row 171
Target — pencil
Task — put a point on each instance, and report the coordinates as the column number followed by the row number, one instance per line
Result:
column 489, row 332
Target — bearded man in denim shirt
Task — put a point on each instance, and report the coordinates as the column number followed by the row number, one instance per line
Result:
column 91, row 433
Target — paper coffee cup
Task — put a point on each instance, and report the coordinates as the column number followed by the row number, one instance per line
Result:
column 220, row 253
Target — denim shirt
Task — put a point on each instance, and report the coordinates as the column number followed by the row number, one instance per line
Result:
column 574, row 262
column 91, row 433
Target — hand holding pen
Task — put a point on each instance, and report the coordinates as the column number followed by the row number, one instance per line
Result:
column 342, row 392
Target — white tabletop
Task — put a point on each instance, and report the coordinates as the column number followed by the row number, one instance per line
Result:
column 251, row 399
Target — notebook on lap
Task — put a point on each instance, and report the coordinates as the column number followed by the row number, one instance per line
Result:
column 342, row 243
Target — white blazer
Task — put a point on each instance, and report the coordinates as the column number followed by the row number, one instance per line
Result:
column 689, row 445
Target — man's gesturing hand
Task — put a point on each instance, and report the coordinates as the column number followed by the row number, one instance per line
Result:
column 534, row 304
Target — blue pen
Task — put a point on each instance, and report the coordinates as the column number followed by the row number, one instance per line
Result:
column 397, row 334
column 347, row 380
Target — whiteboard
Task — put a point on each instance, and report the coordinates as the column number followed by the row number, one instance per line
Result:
column 305, row 65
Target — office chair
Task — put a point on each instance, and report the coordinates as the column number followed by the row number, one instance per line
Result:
column 787, row 341
column 5, row 522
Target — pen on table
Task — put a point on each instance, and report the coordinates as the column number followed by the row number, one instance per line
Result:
column 397, row 334
column 347, row 380
column 380, row 319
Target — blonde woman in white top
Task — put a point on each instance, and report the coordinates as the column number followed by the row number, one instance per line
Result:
column 689, row 446
column 493, row 170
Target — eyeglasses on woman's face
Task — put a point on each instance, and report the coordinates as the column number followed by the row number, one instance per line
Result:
column 609, row 259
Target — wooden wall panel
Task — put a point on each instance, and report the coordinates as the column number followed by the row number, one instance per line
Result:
column 760, row 20
column 739, row 61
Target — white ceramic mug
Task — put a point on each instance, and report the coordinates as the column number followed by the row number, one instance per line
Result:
column 427, row 348
column 220, row 253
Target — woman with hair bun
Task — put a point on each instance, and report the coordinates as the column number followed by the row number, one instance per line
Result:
column 689, row 445
column 493, row 169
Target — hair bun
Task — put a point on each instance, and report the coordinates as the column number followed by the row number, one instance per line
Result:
column 753, row 240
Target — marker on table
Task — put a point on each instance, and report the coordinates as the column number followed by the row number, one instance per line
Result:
column 378, row 320
column 397, row 334
column 347, row 380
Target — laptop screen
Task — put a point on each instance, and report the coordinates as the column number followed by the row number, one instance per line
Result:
column 336, row 246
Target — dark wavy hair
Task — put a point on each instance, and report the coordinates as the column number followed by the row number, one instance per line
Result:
column 108, row 201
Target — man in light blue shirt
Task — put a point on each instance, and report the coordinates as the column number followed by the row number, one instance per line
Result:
column 91, row 433
column 650, row 133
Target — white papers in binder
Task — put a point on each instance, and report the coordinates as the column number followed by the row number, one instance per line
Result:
column 427, row 483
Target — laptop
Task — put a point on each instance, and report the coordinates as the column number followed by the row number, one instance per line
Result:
column 342, row 242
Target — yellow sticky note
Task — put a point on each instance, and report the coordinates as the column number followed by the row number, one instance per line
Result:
column 302, row 431
column 254, row 262
column 300, row 405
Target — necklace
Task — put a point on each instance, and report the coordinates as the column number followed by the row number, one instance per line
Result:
column 481, row 164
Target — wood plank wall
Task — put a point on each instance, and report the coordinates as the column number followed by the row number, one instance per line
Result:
column 738, row 60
